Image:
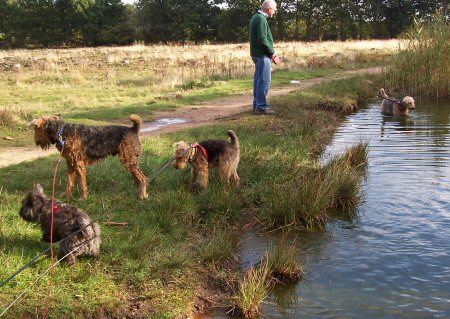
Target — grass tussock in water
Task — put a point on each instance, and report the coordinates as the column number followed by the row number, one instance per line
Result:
column 422, row 68
column 278, row 266
column 253, row 289
column 283, row 263
column 309, row 195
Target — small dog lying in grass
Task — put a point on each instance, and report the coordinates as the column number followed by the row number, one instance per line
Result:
column 211, row 153
column 67, row 219
column 391, row 106
column 83, row 145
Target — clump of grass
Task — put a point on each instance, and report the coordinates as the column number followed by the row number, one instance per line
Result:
column 6, row 117
column 345, row 172
column 279, row 265
column 283, row 263
column 311, row 194
column 253, row 289
column 219, row 246
column 422, row 68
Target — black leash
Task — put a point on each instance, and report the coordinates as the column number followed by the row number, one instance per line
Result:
column 161, row 169
column 32, row 261
column 43, row 274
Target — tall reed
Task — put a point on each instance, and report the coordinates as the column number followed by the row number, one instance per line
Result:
column 422, row 68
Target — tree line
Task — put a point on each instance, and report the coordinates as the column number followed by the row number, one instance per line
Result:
column 74, row 23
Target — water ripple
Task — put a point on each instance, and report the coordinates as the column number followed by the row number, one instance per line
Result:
column 394, row 261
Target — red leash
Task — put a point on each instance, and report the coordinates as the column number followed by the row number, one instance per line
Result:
column 47, row 300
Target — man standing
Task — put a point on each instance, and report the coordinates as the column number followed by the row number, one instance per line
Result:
column 262, row 53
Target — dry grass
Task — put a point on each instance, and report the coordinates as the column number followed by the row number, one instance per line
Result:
column 171, row 65
column 86, row 80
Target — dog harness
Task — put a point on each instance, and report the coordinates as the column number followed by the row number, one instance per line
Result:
column 390, row 105
column 195, row 148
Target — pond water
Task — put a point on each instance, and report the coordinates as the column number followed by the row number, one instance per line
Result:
column 392, row 260
column 158, row 124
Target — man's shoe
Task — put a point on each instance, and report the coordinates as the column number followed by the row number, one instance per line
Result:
column 264, row 111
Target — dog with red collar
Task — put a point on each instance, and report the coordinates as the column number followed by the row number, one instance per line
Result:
column 207, row 154
column 77, row 233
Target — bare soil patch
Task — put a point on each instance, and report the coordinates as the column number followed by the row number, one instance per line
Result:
column 195, row 115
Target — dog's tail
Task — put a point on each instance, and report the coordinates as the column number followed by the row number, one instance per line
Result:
column 383, row 94
column 137, row 122
column 234, row 139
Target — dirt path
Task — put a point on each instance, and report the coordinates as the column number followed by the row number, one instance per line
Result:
column 195, row 115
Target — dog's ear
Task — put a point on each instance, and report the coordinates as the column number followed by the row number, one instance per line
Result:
column 33, row 123
column 38, row 123
column 176, row 144
column 39, row 189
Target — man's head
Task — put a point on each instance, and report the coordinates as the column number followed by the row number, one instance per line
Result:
column 269, row 7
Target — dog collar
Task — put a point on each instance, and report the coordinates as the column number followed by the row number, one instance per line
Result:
column 56, row 209
column 60, row 136
column 193, row 153
column 195, row 148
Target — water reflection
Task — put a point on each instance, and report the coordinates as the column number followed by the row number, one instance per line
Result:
column 391, row 259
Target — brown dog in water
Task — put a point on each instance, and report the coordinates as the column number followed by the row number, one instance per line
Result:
column 391, row 106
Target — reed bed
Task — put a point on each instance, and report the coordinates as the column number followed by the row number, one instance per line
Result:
column 422, row 68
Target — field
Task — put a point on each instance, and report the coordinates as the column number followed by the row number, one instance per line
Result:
column 177, row 249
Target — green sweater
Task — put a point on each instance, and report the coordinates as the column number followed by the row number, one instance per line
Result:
column 261, row 40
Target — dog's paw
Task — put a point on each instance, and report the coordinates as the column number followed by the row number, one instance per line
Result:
column 143, row 196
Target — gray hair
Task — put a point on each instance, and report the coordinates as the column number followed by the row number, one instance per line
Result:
column 267, row 4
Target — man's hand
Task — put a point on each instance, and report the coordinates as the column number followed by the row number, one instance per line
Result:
column 276, row 59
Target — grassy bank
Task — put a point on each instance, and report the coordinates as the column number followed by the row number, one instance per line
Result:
column 103, row 85
column 176, row 250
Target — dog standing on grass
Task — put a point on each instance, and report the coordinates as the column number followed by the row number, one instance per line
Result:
column 81, row 236
column 391, row 106
column 211, row 153
column 83, row 145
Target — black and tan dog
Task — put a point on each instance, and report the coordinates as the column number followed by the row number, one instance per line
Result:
column 81, row 236
column 83, row 145
column 211, row 153
column 391, row 106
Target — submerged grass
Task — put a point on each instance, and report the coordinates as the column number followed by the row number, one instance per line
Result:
column 153, row 265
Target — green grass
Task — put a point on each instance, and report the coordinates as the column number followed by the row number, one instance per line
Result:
column 155, row 261
column 283, row 262
column 253, row 289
